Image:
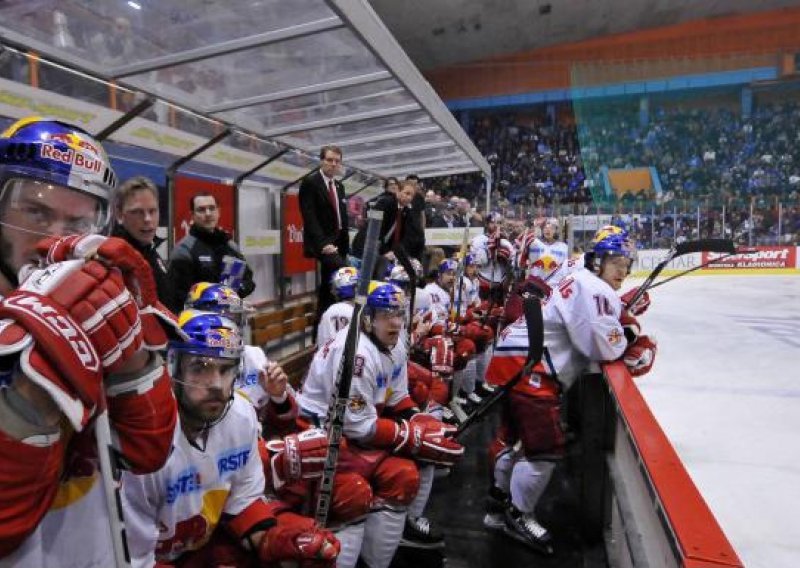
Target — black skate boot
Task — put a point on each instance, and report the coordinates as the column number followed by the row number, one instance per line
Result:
column 525, row 528
column 483, row 389
column 496, row 504
column 419, row 533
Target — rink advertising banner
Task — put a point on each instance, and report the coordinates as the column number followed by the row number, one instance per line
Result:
column 293, row 260
column 763, row 257
column 185, row 188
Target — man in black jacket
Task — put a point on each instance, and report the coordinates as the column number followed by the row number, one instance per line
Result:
column 324, row 210
column 136, row 218
column 199, row 257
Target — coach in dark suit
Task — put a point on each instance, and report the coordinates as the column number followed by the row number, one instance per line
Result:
column 324, row 210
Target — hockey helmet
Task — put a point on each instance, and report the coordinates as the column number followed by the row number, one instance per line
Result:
column 384, row 296
column 39, row 155
column 216, row 298
column 447, row 265
column 610, row 241
column 344, row 283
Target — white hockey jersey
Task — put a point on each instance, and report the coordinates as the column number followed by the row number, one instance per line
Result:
column 247, row 383
column 492, row 272
column 581, row 326
column 336, row 318
column 80, row 510
column 379, row 379
column 439, row 302
column 177, row 508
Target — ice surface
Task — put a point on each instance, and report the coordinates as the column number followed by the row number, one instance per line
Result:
column 726, row 390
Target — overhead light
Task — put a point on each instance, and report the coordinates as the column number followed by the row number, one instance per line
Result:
column 134, row 5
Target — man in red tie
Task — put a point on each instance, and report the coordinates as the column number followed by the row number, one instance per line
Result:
column 324, row 210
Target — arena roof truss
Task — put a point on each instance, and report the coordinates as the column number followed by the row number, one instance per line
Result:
column 300, row 74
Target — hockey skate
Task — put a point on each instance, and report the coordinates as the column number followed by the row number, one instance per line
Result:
column 496, row 504
column 463, row 404
column 483, row 390
column 419, row 533
column 525, row 528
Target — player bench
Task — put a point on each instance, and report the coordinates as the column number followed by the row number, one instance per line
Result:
column 281, row 330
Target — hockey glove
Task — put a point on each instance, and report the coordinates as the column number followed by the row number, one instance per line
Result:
column 95, row 297
column 424, row 438
column 630, row 325
column 441, row 354
column 158, row 323
column 298, row 456
column 298, row 538
column 55, row 353
column 640, row 355
column 641, row 304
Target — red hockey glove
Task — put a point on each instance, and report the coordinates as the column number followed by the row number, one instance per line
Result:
column 112, row 251
column 630, row 326
column 158, row 323
column 536, row 286
column 55, row 353
column 641, row 304
column 298, row 456
column 441, row 354
column 298, row 538
column 425, row 438
column 95, row 297
column 640, row 355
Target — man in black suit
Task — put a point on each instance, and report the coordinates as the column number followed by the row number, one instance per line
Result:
column 324, row 210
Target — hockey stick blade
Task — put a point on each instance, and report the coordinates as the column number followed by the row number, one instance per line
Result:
column 535, row 324
column 705, row 245
column 688, row 247
column 344, row 378
column 701, row 266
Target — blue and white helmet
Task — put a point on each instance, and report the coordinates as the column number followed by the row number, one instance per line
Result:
column 447, row 265
column 52, row 153
column 611, row 241
column 344, row 283
column 208, row 335
column 384, row 296
column 216, row 298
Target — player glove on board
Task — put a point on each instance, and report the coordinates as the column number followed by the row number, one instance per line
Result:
column 641, row 304
column 631, row 327
column 298, row 538
column 158, row 323
column 298, row 456
column 441, row 354
column 427, row 439
column 640, row 355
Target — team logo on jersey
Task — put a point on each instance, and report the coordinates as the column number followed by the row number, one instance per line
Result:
column 187, row 481
column 614, row 337
column 356, row 403
column 232, row 460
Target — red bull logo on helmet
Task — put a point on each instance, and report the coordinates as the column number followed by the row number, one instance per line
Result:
column 73, row 158
column 75, row 142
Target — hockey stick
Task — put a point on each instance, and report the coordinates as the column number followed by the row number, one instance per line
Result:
column 687, row 247
column 535, row 324
column 110, row 473
column 699, row 266
column 462, row 262
column 405, row 262
column 344, row 377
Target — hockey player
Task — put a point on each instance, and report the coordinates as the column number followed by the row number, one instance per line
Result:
column 583, row 324
column 541, row 257
column 71, row 330
column 493, row 254
column 214, row 478
column 384, row 427
column 262, row 382
column 337, row 317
